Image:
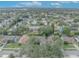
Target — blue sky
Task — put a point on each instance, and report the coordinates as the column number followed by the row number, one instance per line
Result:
column 41, row 4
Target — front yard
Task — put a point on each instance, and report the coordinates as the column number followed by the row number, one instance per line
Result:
column 13, row 45
column 68, row 46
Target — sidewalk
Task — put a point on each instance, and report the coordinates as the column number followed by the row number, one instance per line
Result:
column 76, row 46
column 3, row 46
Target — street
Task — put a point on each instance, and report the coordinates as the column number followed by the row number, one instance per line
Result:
column 71, row 54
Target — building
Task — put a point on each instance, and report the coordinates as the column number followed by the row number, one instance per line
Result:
column 23, row 39
column 34, row 28
column 69, row 39
column 6, row 38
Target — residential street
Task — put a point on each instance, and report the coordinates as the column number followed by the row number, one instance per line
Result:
column 8, row 52
column 71, row 54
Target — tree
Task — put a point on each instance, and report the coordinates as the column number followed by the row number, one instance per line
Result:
column 46, row 31
column 72, row 33
column 21, row 30
column 35, row 50
column 66, row 30
column 53, row 27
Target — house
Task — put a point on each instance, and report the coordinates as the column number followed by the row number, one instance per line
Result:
column 34, row 22
column 23, row 39
column 34, row 28
column 69, row 39
column 74, row 27
column 5, row 38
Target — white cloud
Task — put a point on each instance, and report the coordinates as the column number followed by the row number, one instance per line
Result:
column 29, row 4
column 56, row 5
column 25, row 3
column 75, row 1
column 69, row 1
column 65, row 1
column 37, row 3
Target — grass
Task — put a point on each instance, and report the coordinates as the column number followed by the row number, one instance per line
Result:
column 13, row 45
column 33, row 34
column 68, row 46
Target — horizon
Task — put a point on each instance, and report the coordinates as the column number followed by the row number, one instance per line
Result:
column 39, row 4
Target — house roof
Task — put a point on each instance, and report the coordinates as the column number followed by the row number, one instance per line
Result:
column 68, row 39
column 23, row 39
column 10, row 37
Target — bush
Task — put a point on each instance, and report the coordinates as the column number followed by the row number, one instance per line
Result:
column 71, row 34
column 19, row 44
column 65, row 42
column 10, row 41
column 76, row 33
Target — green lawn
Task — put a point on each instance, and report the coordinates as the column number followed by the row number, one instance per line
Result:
column 68, row 46
column 13, row 45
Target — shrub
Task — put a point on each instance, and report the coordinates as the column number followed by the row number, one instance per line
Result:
column 71, row 33
column 76, row 33
column 65, row 42
column 10, row 41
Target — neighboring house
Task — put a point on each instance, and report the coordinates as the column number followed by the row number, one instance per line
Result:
column 43, row 40
column 68, row 39
column 6, row 38
column 44, row 22
column 75, row 27
column 34, row 22
column 23, row 39
column 34, row 28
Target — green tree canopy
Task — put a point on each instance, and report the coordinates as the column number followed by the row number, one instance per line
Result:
column 46, row 31
column 66, row 30
column 48, row 50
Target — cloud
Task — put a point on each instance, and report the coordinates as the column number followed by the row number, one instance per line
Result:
column 56, row 4
column 75, row 1
column 29, row 4
column 69, row 1
column 64, row 1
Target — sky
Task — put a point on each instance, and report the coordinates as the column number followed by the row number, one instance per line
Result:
column 40, row 4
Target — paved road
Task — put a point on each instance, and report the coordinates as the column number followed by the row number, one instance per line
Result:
column 71, row 54
column 8, row 53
